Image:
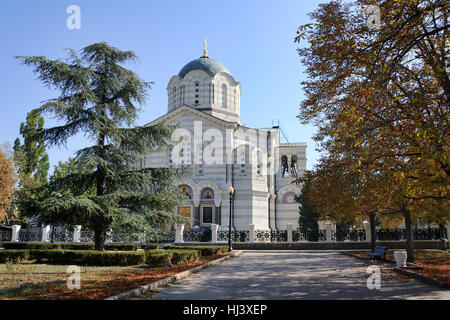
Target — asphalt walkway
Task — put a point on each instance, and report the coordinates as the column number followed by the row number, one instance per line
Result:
column 293, row 275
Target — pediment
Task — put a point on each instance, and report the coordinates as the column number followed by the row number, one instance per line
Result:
column 186, row 111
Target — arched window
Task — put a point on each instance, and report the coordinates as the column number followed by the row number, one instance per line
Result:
column 174, row 95
column 224, row 96
column 207, row 194
column 186, row 191
column 284, row 167
column 294, row 166
column 289, row 198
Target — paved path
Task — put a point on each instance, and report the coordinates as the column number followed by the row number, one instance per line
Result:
column 292, row 275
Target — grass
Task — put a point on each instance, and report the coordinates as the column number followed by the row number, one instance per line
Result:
column 24, row 281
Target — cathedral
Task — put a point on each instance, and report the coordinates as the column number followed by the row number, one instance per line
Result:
column 204, row 104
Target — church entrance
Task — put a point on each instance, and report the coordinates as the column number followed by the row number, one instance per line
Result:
column 185, row 212
column 207, row 215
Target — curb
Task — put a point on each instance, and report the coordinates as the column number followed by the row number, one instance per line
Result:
column 163, row 282
column 409, row 264
column 424, row 279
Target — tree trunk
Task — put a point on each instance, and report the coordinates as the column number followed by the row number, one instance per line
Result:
column 6, row 218
column 409, row 235
column 441, row 231
column 373, row 231
column 99, row 237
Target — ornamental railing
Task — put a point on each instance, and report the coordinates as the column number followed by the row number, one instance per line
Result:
column 5, row 235
column 309, row 235
column 34, row 234
column 349, row 235
column 197, row 236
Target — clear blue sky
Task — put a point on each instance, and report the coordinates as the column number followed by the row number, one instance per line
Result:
column 253, row 39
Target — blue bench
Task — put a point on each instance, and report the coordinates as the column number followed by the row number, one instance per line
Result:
column 379, row 252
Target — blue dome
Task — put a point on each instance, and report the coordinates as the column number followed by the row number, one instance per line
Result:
column 210, row 66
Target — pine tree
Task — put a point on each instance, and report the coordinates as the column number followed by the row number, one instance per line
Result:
column 100, row 98
column 308, row 216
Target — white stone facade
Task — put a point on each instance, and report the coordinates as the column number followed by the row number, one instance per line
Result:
column 221, row 153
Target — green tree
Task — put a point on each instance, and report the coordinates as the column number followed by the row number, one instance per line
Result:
column 308, row 215
column 100, row 98
column 66, row 169
column 31, row 163
column 32, row 155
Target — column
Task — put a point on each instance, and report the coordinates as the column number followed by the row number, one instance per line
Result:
column 45, row 233
column 328, row 230
column 214, row 228
column 251, row 233
column 76, row 233
column 368, row 233
column 289, row 232
column 15, row 233
column 179, row 228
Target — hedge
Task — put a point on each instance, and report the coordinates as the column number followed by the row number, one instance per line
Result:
column 149, row 246
column 184, row 256
column 69, row 246
column 14, row 255
column 76, row 257
column 205, row 251
column 159, row 258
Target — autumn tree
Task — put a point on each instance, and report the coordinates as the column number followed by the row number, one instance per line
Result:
column 379, row 97
column 100, row 98
column 7, row 181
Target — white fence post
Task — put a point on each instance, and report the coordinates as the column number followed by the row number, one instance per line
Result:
column 251, row 233
column 45, row 233
column 328, row 230
column 289, row 232
column 179, row 228
column 368, row 233
column 108, row 237
column 15, row 233
column 76, row 233
column 214, row 228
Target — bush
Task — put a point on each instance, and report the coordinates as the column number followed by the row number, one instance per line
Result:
column 159, row 258
column 151, row 246
column 184, row 256
column 14, row 255
column 68, row 246
column 205, row 251
column 86, row 257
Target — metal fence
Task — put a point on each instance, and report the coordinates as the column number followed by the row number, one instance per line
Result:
column 204, row 235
